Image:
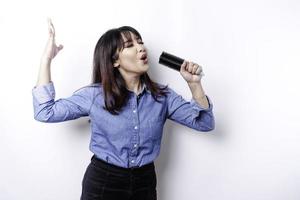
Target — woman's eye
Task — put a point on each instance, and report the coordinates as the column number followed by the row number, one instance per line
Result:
column 130, row 45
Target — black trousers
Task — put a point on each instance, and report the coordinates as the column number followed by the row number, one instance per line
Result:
column 104, row 181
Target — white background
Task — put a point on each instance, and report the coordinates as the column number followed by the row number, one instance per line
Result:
column 249, row 51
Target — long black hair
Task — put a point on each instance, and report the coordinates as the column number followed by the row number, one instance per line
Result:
column 112, row 82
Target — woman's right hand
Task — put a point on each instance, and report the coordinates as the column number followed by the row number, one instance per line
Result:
column 51, row 48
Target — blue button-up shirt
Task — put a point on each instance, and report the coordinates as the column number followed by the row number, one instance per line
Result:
column 132, row 138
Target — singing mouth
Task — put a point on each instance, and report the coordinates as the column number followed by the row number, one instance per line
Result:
column 144, row 58
column 145, row 61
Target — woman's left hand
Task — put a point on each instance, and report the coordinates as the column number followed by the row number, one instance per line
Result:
column 191, row 72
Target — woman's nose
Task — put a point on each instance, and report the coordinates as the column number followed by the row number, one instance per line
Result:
column 140, row 48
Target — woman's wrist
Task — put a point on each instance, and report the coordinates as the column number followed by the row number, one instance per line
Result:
column 45, row 58
column 45, row 62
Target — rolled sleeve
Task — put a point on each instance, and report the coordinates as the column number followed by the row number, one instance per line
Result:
column 47, row 109
column 197, row 107
column 44, row 93
column 190, row 113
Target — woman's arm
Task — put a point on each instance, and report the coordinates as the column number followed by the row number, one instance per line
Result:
column 190, row 113
column 192, row 74
column 199, row 94
column 46, row 109
column 51, row 50
column 44, row 75
column 197, row 113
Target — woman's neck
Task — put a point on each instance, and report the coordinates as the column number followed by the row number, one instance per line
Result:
column 134, row 85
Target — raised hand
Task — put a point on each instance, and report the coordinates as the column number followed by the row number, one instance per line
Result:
column 51, row 48
column 191, row 72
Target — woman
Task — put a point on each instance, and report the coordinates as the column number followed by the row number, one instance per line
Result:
column 127, row 112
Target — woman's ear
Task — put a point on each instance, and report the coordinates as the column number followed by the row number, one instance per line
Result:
column 116, row 64
column 116, row 60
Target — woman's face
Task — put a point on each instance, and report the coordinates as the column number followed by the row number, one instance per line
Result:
column 133, row 58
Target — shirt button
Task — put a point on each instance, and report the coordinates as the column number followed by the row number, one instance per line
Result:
column 135, row 145
column 134, row 111
column 132, row 161
column 135, row 127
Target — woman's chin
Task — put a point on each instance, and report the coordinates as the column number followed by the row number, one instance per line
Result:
column 146, row 67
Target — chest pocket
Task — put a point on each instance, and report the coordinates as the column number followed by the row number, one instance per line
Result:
column 155, row 128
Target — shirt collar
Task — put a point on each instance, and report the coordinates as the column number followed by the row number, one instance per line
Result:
column 144, row 88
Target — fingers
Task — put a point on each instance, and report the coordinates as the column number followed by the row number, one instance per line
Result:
column 51, row 28
column 60, row 47
column 183, row 66
column 189, row 67
column 198, row 71
column 192, row 68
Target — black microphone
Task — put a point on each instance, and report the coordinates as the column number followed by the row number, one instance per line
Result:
column 170, row 60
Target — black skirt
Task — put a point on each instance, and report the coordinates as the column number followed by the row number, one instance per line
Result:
column 104, row 181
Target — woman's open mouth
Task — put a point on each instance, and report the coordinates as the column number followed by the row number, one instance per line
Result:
column 144, row 58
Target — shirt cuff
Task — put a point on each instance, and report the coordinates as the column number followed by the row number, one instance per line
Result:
column 198, row 107
column 44, row 93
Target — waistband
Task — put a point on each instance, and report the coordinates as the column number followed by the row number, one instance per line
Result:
column 108, row 166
